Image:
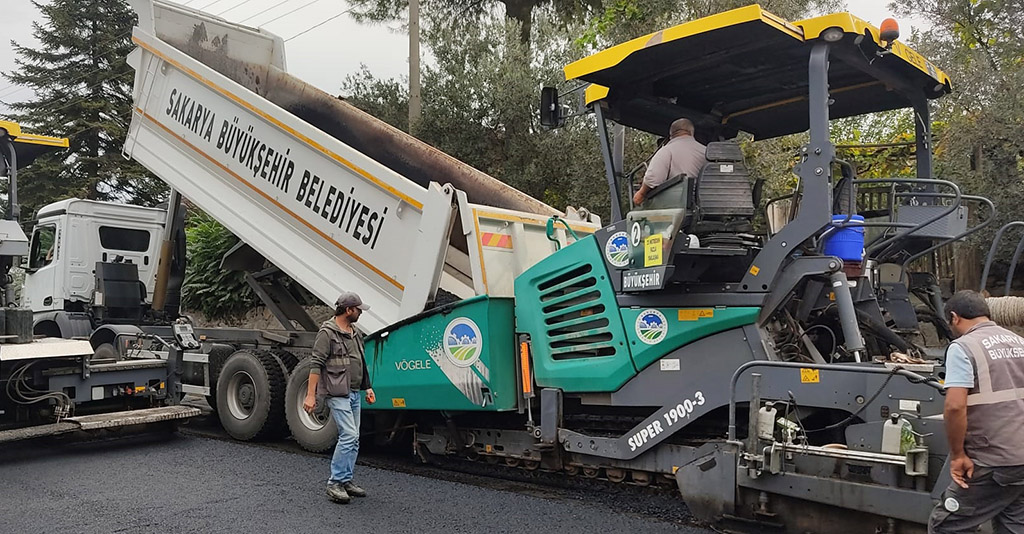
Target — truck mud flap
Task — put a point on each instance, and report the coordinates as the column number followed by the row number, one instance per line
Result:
column 101, row 422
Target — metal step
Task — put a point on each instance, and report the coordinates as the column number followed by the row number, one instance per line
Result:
column 101, row 421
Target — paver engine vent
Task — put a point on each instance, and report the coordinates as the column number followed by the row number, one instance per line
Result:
column 576, row 319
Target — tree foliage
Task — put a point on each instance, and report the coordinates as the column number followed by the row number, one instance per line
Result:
column 83, row 91
column 216, row 292
column 520, row 11
column 880, row 145
column 620, row 20
column 480, row 98
column 981, row 143
column 480, row 105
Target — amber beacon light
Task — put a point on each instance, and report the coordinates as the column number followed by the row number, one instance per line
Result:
column 890, row 31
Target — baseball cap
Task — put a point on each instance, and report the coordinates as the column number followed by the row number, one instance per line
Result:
column 349, row 299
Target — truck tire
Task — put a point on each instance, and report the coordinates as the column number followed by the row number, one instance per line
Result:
column 217, row 356
column 287, row 359
column 314, row 432
column 250, row 396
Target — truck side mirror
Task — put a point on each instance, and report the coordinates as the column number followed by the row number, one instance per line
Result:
column 550, row 110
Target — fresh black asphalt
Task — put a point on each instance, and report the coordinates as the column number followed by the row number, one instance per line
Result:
column 186, row 483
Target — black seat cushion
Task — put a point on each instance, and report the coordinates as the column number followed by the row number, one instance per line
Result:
column 723, row 187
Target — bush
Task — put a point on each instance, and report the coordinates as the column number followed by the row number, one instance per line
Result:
column 215, row 292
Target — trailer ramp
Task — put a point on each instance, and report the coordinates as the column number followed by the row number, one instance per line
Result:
column 106, row 421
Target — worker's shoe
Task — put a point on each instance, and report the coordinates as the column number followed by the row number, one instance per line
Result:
column 353, row 490
column 337, row 493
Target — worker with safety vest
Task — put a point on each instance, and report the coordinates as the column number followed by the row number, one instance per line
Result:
column 984, row 419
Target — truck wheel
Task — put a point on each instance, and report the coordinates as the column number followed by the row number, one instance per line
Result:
column 314, row 432
column 287, row 359
column 217, row 356
column 250, row 396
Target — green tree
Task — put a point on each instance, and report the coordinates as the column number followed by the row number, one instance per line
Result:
column 217, row 293
column 880, row 145
column 480, row 105
column 469, row 13
column 981, row 145
column 621, row 20
column 83, row 91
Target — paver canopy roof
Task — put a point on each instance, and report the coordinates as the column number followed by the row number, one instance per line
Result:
column 747, row 69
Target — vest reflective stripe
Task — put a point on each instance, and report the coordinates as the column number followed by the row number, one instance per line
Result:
column 993, row 397
column 981, row 365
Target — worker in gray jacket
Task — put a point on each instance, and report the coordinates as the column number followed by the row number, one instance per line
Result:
column 337, row 376
column 984, row 419
column 682, row 154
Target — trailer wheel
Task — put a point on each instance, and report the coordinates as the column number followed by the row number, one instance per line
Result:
column 314, row 432
column 217, row 356
column 250, row 396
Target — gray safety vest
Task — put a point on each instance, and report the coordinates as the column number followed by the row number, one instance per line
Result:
column 995, row 405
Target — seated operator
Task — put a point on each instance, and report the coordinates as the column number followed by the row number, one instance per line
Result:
column 682, row 154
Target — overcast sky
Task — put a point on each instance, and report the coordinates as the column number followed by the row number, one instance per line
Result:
column 323, row 56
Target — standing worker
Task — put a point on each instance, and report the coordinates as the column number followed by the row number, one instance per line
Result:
column 682, row 154
column 984, row 418
column 338, row 375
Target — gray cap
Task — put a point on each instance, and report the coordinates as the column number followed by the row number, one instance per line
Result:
column 349, row 299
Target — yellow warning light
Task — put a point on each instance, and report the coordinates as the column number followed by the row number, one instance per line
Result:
column 889, row 32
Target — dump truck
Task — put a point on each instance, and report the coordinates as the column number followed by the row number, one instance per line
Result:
column 778, row 377
column 320, row 194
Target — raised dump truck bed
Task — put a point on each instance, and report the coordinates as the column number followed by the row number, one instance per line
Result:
column 339, row 202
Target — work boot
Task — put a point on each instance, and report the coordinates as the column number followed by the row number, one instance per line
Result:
column 353, row 490
column 337, row 493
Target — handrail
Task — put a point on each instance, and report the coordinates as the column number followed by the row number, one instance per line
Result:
column 969, row 231
column 951, row 208
column 550, row 231
column 1013, row 267
column 992, row 254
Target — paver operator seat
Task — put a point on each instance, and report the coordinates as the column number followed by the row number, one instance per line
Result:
column 724, row 200
column 718, row 201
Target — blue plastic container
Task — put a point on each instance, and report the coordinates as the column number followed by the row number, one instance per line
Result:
column 847, row 241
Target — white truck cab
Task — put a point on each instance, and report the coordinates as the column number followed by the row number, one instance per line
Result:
column 68, row 238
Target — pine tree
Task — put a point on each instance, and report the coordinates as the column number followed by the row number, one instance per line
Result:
column 83, row 91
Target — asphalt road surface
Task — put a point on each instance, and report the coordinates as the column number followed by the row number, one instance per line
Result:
column 188, row 483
